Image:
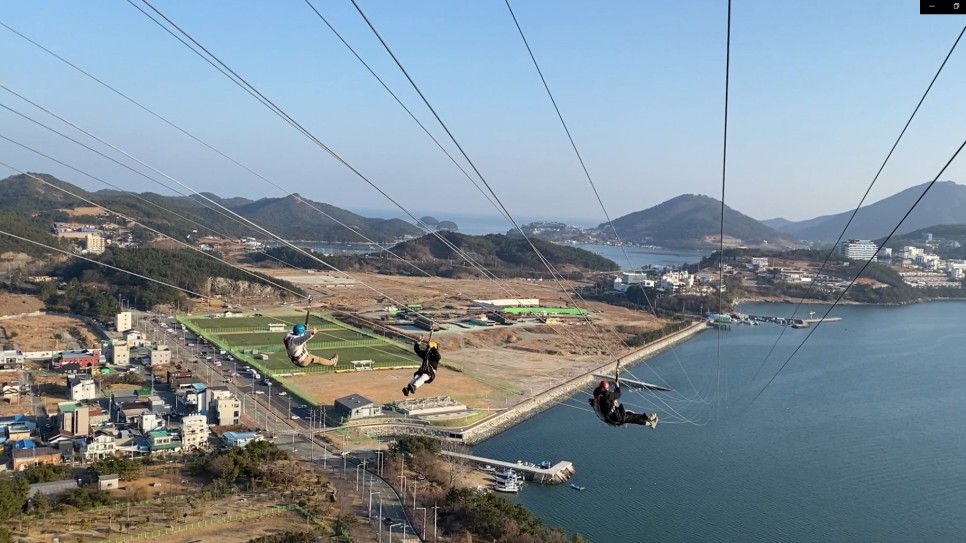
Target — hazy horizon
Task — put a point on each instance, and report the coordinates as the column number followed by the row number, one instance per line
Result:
column 819, row 92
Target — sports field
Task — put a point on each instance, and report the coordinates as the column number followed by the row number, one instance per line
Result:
column 247, row 338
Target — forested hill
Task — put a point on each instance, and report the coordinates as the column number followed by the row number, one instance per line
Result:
column 29, row 228
column 500, row 251
column 183, row 268
column 692, row 221
column 503, row 256
column 290, row 217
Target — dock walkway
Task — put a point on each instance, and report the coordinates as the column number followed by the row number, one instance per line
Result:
column 554, row 475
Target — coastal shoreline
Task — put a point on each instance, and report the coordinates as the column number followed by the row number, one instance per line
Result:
column 541, row 402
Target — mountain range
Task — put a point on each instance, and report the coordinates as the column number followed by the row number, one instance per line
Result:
column 945, row 203
column 290, row 217
column 686, row 221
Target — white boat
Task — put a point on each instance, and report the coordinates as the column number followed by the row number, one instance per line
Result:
column 576, row 487
column 506, row 475
column 510, row 486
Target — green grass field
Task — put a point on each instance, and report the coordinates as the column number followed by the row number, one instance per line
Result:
column 247, row 324
column 240, row 339
column 240, row 333
column 386, row 356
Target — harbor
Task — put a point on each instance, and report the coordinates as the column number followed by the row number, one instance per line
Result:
column 556, row 474
column 724, row 321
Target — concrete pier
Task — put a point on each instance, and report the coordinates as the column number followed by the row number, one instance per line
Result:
column 554, row 475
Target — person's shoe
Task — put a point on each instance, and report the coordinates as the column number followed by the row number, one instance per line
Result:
column 406, row 390
column 652, row 420
column 334, row 360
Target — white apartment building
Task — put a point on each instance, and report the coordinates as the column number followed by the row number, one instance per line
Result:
column 857, row 249
column 124, row 321
column 194, row 432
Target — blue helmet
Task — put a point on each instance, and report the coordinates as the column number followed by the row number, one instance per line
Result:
column 298, row 329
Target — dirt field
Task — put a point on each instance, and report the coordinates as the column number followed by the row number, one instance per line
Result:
column 15, row 304
column 386, row 385
column 39, row 333
column 85, row 211
column 501, row 365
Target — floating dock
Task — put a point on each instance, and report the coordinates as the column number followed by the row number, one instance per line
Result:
column 554, row 475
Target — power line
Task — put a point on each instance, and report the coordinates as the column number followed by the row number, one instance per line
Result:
column 866, row 265
column 204, row 143
column 95, row 204
column 476, row 170
column 583, row 165
column 399, row 101
column 146, row 278
column 867, row 191
column 215, row 62
column 724, row 176
column 144, row 164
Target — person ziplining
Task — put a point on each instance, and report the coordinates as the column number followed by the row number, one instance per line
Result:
column 428, row 352
column 607, row 406
column 297, row 352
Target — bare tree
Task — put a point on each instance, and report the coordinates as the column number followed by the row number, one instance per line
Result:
column 458, row 466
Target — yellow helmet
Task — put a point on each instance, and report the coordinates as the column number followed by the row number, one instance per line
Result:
column 433, row 345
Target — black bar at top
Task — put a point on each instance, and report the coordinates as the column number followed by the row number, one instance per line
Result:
column 942, row 7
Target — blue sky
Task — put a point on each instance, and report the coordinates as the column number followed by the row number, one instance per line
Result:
column 819, row 92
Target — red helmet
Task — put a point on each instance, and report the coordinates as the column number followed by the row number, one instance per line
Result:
column 604, row 385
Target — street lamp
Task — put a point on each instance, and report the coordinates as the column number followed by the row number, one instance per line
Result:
column 391, row 526
column 380, row 459
column 424, row 520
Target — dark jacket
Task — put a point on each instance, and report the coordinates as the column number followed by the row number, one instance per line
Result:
column 430, row 358
column 607, row 406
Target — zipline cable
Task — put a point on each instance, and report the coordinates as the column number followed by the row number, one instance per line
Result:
column 215, row 62
column 857, row 275
column 583, row 166
column 867, row 191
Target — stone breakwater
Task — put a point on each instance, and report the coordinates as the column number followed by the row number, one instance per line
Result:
column 533, row 406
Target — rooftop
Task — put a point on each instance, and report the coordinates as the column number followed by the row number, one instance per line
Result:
column 353, row 400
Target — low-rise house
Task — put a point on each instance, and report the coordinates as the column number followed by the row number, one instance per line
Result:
column 163, row 441
column 18, row 431
column 356, row 406
column 81, row 387
column 160, row 356
column 225, row 411
column 19, row 419
column 130, row 412
column 240, row 439
column 177, row 378
column 86, row 359
column 148, row 421
column 22, row 458
column 101, row 445
column 11, row 360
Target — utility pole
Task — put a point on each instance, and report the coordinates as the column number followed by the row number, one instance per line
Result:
column 434, row 521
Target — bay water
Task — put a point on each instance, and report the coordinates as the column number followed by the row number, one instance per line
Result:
column 858, row 437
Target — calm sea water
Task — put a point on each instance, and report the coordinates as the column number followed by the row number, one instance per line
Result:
column 859, row 438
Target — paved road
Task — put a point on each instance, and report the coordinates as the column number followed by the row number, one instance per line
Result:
column 271, row 412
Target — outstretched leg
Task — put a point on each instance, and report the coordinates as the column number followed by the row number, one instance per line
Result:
column 312, row 359
column 642, row 419
column 418, row 380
